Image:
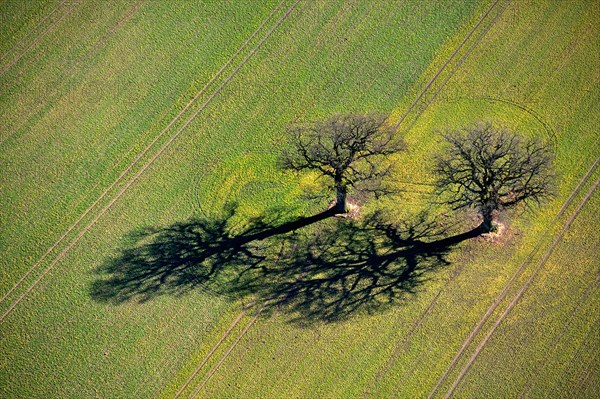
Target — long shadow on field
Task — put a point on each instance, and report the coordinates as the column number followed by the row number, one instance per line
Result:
column 322, row 271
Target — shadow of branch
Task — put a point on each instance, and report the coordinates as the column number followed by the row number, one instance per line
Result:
column 312, row 271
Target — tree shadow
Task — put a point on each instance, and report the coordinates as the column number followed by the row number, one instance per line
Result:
column 314, row 272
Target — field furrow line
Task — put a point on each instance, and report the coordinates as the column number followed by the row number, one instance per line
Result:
column 226, row 354
column 443, row 67
column 146, row 165
column 512, row 280
column 24, row 38
column 582, row 301
column 524, row 288
column 142, row 154
column 37, row 39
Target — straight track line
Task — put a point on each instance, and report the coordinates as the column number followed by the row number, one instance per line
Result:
column 582, row 300
column 210, row 354
column 418, row 322
column 461, row 61
column 226, row 355
column 35, row 265
column 37, row 39
column 590, row 370
column 524, row 288
column 31, row 31
column 443, row 67
column 415, row 326
column 142, row 154
column 512, row 280
column 147, row 164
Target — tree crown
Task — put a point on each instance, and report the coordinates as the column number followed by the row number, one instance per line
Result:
column 347, row 147
column 486, row 166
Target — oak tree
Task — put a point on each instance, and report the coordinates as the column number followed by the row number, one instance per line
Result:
column 349, row 149
column 492, row 169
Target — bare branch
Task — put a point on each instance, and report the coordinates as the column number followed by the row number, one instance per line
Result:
column 349, row 148
column 492, row 169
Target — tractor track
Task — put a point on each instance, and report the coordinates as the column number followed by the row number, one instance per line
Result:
column 141, row 155
column 67, row 78
column 226, row 354
column 38, row 38
column 443, row 67
column 582, row 301
column 523, row 289
column 417, row 323
column 211, row 353
column 31, row 31
column 459, row 63
column 244, row 310
column 512, row 280
column 590, row 369
column 129, row 14
column 150, row 161
column 415, row 326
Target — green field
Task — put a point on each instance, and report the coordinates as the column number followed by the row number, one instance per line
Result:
column 123, row 123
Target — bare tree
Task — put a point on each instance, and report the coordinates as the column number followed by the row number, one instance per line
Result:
column 349, row 149
column 491, row 169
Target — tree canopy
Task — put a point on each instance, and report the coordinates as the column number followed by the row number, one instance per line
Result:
column 347, row 148
column 491, row 169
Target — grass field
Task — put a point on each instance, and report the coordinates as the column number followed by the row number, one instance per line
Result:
column 122, row 119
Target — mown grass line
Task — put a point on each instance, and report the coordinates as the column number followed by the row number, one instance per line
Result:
column 147, row 149
column 37, row 39
column 31, row 31
column 584, row 298
column 510, row 283
column 145, row 166
column 514, row 300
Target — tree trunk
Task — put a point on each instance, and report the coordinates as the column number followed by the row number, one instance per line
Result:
column 341, row 205
column 487, row 212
